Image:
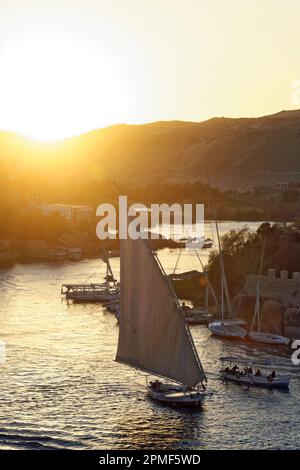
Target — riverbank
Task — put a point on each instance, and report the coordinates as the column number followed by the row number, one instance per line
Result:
column 83, row 245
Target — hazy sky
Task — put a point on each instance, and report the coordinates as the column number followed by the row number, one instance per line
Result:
column 68, row 66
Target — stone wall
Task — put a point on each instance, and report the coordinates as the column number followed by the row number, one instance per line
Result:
column 279, row 303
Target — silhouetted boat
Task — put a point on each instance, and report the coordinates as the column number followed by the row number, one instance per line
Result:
column 153, row 334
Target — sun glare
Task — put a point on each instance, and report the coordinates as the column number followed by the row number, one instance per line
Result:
column 53, row 90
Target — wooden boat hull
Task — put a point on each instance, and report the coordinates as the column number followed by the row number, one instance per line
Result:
column 175, row 396
column 282, row 381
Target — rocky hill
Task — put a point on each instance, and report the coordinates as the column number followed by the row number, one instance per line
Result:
column 239, row 153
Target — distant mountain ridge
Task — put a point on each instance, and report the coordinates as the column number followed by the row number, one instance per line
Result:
column 239, row 153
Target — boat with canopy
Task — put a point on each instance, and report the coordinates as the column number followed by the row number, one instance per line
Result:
column 94, row 292
column 153, row 335
column 255, row 372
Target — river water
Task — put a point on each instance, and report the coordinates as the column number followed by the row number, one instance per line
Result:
column 60, row 387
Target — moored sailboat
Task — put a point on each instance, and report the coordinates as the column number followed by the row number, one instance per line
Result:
column 261, row 336
column 153, row 334
column 226, row 328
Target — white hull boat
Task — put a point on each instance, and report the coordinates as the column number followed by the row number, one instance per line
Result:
column 282, row 381
column 91, row 292
column 175, row 395
column 228, row 329
column 254, row 372
column 267, row 338
column 261, row 336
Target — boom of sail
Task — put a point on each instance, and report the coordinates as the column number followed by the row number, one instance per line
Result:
column 153, row 335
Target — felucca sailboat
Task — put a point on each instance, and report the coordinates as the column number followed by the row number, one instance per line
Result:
column 229, row 328
column 261, row 336
column 153, row 334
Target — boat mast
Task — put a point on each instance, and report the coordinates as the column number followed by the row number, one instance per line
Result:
column 224, row 280
column 257, row 302
column 176, row 264
column 109, row 272
column 207, row 280
column 204, row 272
column 222, row 296
column 263, row 251
column 206, row 297
column 258, row 307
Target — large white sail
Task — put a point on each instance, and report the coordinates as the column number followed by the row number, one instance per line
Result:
column 153, row 335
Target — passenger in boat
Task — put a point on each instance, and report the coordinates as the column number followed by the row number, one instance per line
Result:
column 157, row 385
column 227, row 370
column 258, row 373
column 273, row 374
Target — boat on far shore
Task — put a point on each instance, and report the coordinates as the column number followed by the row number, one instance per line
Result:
column 91, row 292
column 107, row 291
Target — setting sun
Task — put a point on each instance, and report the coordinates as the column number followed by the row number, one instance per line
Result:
column 68, row 67
column 58, row 89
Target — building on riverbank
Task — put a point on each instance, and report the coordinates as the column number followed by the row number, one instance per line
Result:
column 69, row 211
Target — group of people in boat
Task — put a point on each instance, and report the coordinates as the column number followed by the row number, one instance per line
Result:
column 248, row 372
column 155, row 385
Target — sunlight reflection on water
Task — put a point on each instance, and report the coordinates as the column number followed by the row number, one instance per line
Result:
column 60, row 386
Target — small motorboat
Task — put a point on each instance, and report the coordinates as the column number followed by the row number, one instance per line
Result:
column 197, row 316
column 208, row 243
column 252, row 372
column 231, row 329
column 175, row 395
